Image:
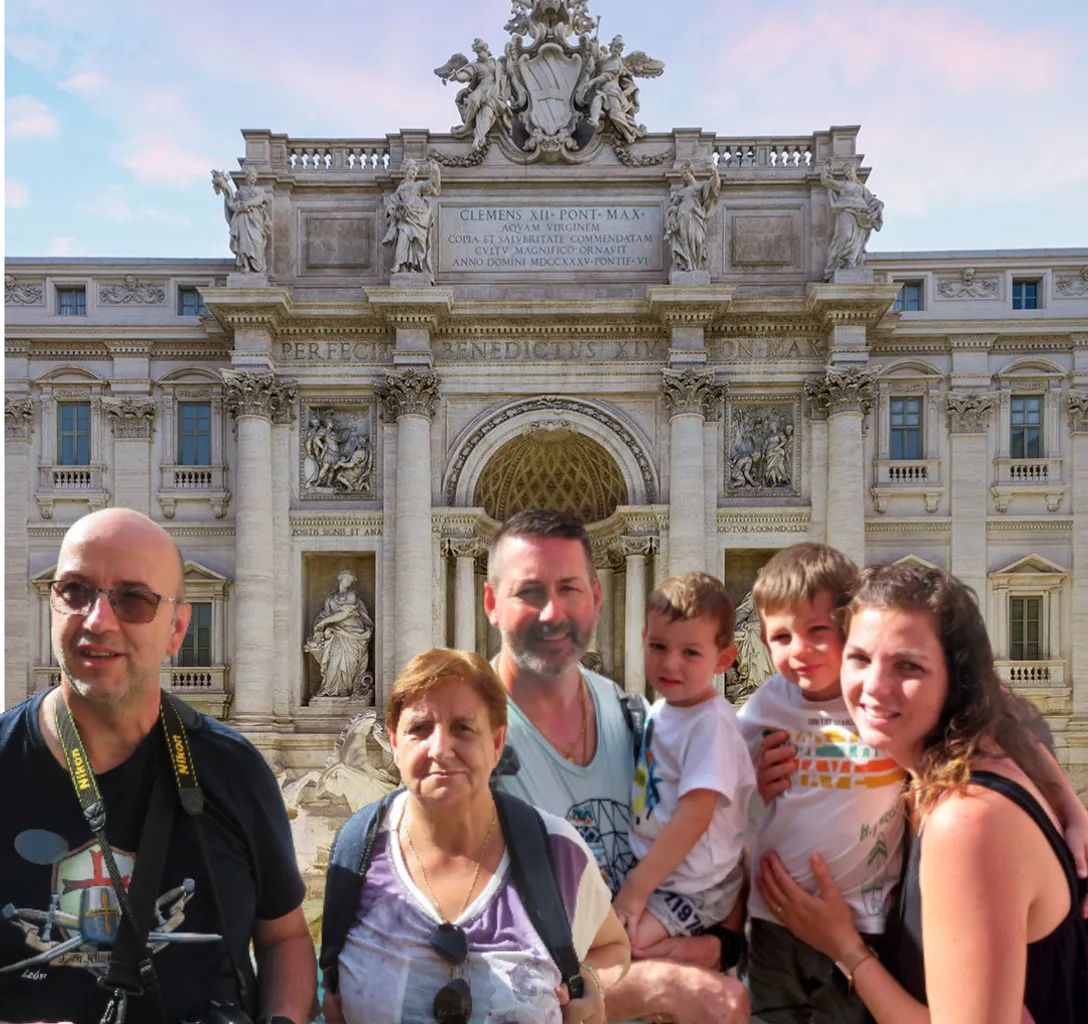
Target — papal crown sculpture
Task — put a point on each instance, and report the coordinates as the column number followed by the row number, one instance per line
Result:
column 552, row 95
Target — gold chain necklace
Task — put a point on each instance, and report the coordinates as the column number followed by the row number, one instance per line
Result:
column 569, row 752
column 423, row 870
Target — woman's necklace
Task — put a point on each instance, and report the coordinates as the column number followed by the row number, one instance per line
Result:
column 475, row 874
column 581, row 739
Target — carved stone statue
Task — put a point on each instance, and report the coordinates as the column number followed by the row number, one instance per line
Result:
column 409, row 213
column 549, row 19
column 340, row 641
column 361, row 768
column 857, row 214
column 613, row 90
column 753, row 665
column 685, row 220
column 761, row 451
column 246, row 210
column 483, row 101
column 337, row 454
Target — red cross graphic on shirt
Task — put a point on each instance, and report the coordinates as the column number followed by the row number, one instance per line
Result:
column 99, row 878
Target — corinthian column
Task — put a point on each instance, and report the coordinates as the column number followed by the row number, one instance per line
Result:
column 1078, row 426
column 689, row 396
column 464, row 550
column 847, row 396
column 635, row 550
column 969, row 416
column 18, row 430
column 253, row 399
column 286, row 694
column 409, row 397
column 133, row 421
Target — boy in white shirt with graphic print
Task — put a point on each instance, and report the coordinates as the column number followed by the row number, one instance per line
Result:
column 827, row 793
column 693, row 779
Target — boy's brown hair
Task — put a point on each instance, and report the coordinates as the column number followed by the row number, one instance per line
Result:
column 799, row 573
column 692, row 595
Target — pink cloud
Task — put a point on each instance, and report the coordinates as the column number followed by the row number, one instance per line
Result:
column 157, row 157
column 16, row 193
column 29, row 118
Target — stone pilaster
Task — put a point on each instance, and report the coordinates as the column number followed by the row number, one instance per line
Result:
column 689, row 395
column 603, row 640
column 818, row 470
column 846, row 397
column 132, row 419
column 711, row 444
column 18, row 431
column 635, row 550
column 253, row 399
column 409, row 397
column 286, row 681
column 1078, row 478
column 969, row 415
column 464, row 551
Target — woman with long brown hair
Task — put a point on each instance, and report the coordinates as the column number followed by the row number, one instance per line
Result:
column 989, row 927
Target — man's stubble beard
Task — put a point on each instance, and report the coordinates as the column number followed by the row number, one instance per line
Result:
column 539, row 665
column 135, row 685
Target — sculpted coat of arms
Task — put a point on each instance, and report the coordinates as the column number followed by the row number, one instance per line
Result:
column 555, row 88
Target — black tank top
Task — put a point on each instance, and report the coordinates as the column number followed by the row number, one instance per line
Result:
column 1056, row 988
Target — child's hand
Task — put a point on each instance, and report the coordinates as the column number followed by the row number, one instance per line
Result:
column 629, row 907
column 776, row 764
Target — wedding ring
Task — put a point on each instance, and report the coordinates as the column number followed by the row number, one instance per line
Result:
column 778, row 911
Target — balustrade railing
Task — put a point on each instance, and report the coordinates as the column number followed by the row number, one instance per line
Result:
column 363, row 156
column 908, row 472
column 1038, row 472
column 767, row 154
column 193, row 478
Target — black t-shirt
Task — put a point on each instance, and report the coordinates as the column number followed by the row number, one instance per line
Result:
column 50, row 861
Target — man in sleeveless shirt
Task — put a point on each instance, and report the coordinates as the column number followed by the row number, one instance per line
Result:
column 575, row 750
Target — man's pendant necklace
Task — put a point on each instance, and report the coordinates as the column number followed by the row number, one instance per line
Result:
column 568, row 754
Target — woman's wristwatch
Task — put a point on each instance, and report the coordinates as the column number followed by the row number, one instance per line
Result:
column 852, row 961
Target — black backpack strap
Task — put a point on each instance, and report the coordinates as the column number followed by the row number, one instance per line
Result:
column 633, row 706
column 532, row 869
column 348, row 863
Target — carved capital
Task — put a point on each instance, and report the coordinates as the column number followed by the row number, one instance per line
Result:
column 629, row 546
column 842, row 391
column 1078, row 412
column 408, row 393
column 692, row 391
column 131, row 418
column 969, row 412
column 283, row 401
column 462, row 547
column 256, row 394
column 18, row 418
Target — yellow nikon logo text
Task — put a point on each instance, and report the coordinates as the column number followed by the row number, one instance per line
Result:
column 179, row 756
column 83, row 780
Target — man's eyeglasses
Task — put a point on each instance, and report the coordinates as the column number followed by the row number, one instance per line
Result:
column 453, row 1002
column 129, row 604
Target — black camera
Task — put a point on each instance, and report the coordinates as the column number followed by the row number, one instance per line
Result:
column 221, row 1013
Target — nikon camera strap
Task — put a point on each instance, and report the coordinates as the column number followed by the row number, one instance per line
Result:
column 131, row 946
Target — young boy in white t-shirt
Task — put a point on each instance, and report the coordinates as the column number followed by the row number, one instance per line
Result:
column 694, row 778
column 835, row 796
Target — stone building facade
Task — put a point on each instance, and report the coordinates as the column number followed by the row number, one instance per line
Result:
column 666, row 334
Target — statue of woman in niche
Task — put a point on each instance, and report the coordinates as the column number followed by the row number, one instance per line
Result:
column 754, row 665
column 340, row 641
column 858, row 213
column 409, row 213
column 685, row 220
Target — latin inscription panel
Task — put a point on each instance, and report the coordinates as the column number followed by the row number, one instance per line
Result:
column 530, row 239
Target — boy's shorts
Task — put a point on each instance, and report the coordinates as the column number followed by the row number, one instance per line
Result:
column 789, row 982
column 689, row 913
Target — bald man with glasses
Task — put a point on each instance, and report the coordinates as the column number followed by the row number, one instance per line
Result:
column 85, row 765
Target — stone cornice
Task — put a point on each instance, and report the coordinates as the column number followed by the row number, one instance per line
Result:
column 770, row 520
column 18, row 419
column 688, row 305
column 132, row 418
column 411, row 307
column 842, row 391
column 907, row 525
column 335, row 524
column 408, row 393
column 256, row 394
column 835, row 304
column 691, row 392
column 969, row 412
column 248, row 308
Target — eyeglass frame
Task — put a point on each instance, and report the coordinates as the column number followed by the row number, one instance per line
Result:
column 109, row 592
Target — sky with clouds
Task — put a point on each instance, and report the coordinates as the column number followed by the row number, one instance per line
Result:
column 973, row 113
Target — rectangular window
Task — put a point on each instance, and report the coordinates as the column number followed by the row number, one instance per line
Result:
column 196, row 649
column 73, row 433
column 194, row 433
column 906, row 428
column 72, row 301
column 909, row 299
column 190, row 302
column 1025, row 295
column 1026, row 427
column 1025, row 628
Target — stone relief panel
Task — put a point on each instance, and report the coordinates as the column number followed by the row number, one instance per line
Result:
column 22, row 293
column 339, row 617
column 758, row 240
column 337, row 453
column 761, row 449
column 1072, row 287
column 131, row 292
column 336, row 242
column 967, row 286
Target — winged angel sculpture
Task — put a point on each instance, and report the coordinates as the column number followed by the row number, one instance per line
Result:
column 551, row 94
